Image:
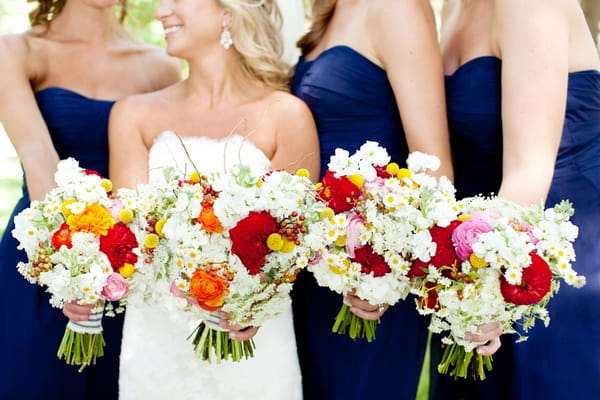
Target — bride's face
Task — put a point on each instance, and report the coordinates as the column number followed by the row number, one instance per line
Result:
column 191, row 26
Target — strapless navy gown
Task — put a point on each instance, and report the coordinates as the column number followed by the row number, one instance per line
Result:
column 563, row 360
column 352, row 102
column 31, row 329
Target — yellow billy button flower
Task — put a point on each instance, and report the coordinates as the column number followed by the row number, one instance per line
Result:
column 259, row 183
column 151, row 240
column 404, row 173
column 340, row 241
column 327, row 213
column 477, row 262
column 303, row 172
column 158, row 227
column 392, row 168
column 288, row 246
column 275, row 242
column 127, row 270
column 64, row 208
column 125, row 216
column 106, row 184
column 357, row 179
column 463, row 217
column 195, row 177
column 318, row 185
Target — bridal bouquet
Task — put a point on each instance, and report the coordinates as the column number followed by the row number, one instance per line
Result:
column 496, row 261
column 378, row 216
column 79, row 246
column 236, row 241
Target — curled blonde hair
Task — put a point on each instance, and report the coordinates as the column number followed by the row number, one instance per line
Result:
column 256, row 32
column 47, row 10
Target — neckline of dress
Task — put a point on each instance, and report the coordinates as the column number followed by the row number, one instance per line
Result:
column 71, row 92
column 341, row 47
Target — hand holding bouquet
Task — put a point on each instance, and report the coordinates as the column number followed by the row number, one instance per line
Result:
column 80, row 247
column 236, row 242
column 377, row 215
column 496, row 261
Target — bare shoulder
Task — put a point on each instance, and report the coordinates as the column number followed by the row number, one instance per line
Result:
column 13, row 47
column 536, row 11
column 164, row 69
column 286, row 107
column 393, row 13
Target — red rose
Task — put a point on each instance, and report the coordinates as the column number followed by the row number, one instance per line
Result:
column 62, row 237
column 249, row 239
column 371, row 261
column 445, row 253
column 535, row 283
column 118, row 245
column 340, row 193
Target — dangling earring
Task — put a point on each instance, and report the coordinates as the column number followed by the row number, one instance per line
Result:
column 226, row 40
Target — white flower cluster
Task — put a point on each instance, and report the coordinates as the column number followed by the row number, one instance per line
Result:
column 76, row 273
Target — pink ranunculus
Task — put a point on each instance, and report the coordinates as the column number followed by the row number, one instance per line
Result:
column 353, row 222
column 467, row 233
column 116, row 287
column 115, row 208
column 175, row 291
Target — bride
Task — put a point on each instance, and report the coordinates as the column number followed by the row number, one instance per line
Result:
column 234, row 104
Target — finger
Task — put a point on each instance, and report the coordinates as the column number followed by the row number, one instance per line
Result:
column 370, row 315
column 360, row 303
column 490, row 348
column 244, row 334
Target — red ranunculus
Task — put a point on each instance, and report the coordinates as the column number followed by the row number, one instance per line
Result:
column 118, row 245
column 445, row 253
column 92, row 172
column 249, row 239
column 371, row 261
column 62, row 237
column 340, row 193
column 535, row 283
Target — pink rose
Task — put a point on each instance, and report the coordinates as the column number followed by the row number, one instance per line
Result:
column 115, row 208
column 467, row 233
column 353, row 224
column 116, row 287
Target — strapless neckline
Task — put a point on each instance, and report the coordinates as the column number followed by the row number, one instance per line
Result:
column 341, row 48
column 50, row 90
column 495, row 61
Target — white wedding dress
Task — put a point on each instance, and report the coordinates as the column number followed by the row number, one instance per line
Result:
column 157, row 360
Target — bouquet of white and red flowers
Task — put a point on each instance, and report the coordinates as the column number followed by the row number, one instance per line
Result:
column 377, row 216
column 80, row 247
column 495, row 262
column 235, row 242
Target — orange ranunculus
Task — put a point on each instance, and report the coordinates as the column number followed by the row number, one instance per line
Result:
column 94, row 219
column 209, row 220
column 209, row 289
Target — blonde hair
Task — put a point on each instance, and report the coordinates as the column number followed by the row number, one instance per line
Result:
column 321, row 13
column 47, row 10
column 256, row 32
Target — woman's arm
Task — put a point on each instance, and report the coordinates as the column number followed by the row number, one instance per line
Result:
column 533, row 39
column 22, row 119
column 404, row 37
column 297, row 143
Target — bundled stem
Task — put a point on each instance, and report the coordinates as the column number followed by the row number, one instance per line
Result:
column 459, row 363
column 207, row 340
column 356, row 327
column 81, row 348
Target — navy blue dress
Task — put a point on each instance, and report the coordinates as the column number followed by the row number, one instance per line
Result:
column 31, row 329
column 352, row 101
column 562, row 360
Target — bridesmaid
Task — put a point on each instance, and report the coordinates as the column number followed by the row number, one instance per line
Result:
column 59, row 80
column 523, row 94
column 365, row 65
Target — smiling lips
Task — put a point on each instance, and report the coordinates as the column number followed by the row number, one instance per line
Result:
column 172, row 29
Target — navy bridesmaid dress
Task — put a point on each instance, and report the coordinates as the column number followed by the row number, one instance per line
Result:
column 31, row 329
column 352, row 101
column 562, row 360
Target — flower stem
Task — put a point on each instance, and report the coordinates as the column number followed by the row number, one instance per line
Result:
column 81, row 348
column 459, row 363
column 208, row 341
column 356, row 327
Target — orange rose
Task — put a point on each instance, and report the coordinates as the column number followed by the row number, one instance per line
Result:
column 209, row 220
column 209, row 289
